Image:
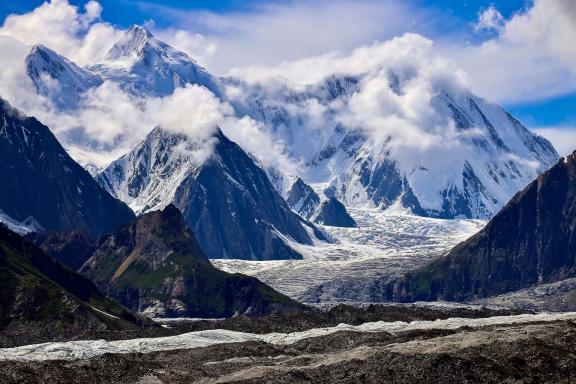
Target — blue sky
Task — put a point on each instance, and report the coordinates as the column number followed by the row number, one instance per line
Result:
column 442, row 20
column 127, row 12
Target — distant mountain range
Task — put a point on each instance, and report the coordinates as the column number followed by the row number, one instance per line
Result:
column 496, row 155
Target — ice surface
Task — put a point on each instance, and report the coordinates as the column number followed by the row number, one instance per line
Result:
column 383, row 245
column 85, row 349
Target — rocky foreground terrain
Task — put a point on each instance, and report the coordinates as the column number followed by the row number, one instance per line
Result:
column 504, row 349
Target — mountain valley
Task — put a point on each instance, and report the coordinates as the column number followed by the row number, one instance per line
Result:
column 287, row 192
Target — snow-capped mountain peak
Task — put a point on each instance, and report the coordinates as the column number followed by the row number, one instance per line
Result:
column 144, row 65
column 148, row 176
column 226, row 199
column 475, row 157
column 133, row 42
column 58, row 78
column 480, row 155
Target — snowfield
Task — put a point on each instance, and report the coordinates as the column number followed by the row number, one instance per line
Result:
column 86, row 349
column 385, row 244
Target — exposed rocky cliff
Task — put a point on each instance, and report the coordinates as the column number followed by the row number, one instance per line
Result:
column 531, row 241
column 154, row 265
column 42, row 184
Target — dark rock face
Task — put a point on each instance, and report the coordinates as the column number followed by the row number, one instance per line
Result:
column 155, row 264
column 302, row 199
column 235, row 211
column 70, row 248
column 40, row 180
column 40, row 297
column 531, row 241
column 383, row 183
column 226, row 198
column 334, row 214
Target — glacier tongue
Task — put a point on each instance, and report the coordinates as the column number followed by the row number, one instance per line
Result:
column 384, row 245
column 85, row 349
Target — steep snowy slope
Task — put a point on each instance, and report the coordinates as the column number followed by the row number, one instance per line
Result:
column 58, row 78
column 144, row 65
column 226, row 199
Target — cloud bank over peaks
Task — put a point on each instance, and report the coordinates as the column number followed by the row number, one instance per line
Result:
column 532, row 55
column 81, row 36
column 111, row 120
column 393, row 98
column 398, row 82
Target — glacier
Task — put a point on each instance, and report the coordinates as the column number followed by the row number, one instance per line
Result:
column 86, row 349
column 384, row 245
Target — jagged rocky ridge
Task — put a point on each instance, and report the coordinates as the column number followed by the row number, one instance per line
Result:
column 41, row 299
column 531, row 241
column 154, row 265
column 226, row 199
column 303, row 199
column 43, row 186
